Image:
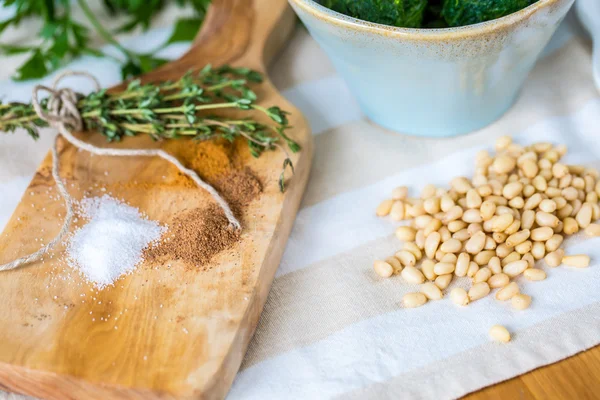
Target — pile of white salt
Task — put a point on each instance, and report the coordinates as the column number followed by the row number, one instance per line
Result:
column 112, row 242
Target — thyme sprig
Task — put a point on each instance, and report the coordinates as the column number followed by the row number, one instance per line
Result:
column 194, row 106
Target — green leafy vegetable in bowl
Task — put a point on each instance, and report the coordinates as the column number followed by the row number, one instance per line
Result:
column 427, row 13
column 406, row 13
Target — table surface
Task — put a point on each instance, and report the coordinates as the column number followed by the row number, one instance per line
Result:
column 575, row 377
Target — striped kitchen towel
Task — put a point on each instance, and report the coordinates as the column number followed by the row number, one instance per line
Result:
column 331, row 327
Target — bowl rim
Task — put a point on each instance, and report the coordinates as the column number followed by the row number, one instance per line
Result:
column 323, row 13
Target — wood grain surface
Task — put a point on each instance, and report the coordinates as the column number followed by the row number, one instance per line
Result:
column 168, row 330
column 576, row 377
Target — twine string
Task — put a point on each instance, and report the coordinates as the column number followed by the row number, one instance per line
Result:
column 63, row 115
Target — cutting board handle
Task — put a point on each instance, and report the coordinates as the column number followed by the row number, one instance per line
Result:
column 231, row 33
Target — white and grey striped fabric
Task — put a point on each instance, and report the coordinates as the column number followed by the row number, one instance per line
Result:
column 331, row 327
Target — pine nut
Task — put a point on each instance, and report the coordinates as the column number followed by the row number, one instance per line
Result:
column 420, row 239
column 431, row 244
column 534, row 274
column 484, row 257
column 459, row 296
column 565, row 181
column 501, row 222
column 533, row 201
column 504, row 164
column 555, row 258
column 503, row 142
column 520, row 301
column 507, row 292
column 517, row 202
column 476, row 243
column 495, row 265
column 591, row 197
column 431, row 291
column 499, row 237
column 428, row 191
column 427, row 269
column 530, row 168
column 584, row 216
column 503, row 250
column 432, row 205
column 578, row 183
column 497, row 200
column 445, row 234
column 422, row 221
column 395, row 263
column 565, row 211
column 498, row 281
column 571, row 226
column 439, row 255
column 473, row 199
column 449, row 258
column 462, row 264
column 542, row 234
column 546, row 219
column 451, row 246
column 478, row 291
column 512, row 190
column 524, row 248
column 397, row 211
column 446, row 203
column 474, row 228
column 513, row 228
column 412, row 300
column 530, row 260
column 384, row 208
column 432, row 226
column 498, row 333
column 473, row 268
column 578, row 261
column 482, row 275
column 461, row 184
column 539, row 183
column 487, row 210
column 576, row 207
column 547, row 205
column 490, row 243
column 406, row 258
column 456, row 212
column 443, row 268
column 528, row 191
column 400, row 193
column 472, row 216
column 462, row 235
column 518, row 238
column 515, row 268
column 412, row 275
column 405, row 233
column 456, row 226
column 554, row 243
column 443, row 281
column 570, row 193
column 593, row 230
column 383, row 269
column 559, row 170
column 415, row 210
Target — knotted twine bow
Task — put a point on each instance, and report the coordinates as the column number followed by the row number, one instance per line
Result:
column 63, row 115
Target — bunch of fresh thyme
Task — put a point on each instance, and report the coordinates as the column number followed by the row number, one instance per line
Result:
column 187, row 107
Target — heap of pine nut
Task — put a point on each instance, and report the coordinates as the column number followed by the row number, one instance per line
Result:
column 516, row 209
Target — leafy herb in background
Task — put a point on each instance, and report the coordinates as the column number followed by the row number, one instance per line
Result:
column 194, row 106
column 64, row 39
column 426, row 13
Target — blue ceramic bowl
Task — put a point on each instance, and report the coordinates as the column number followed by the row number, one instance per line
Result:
column 434, row 82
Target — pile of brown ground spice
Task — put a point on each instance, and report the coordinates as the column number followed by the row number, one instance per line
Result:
column 195, row 236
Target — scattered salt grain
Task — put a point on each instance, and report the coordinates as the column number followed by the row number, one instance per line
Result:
column 111, row 243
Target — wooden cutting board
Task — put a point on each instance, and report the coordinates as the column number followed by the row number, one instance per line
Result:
column 168, row 330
